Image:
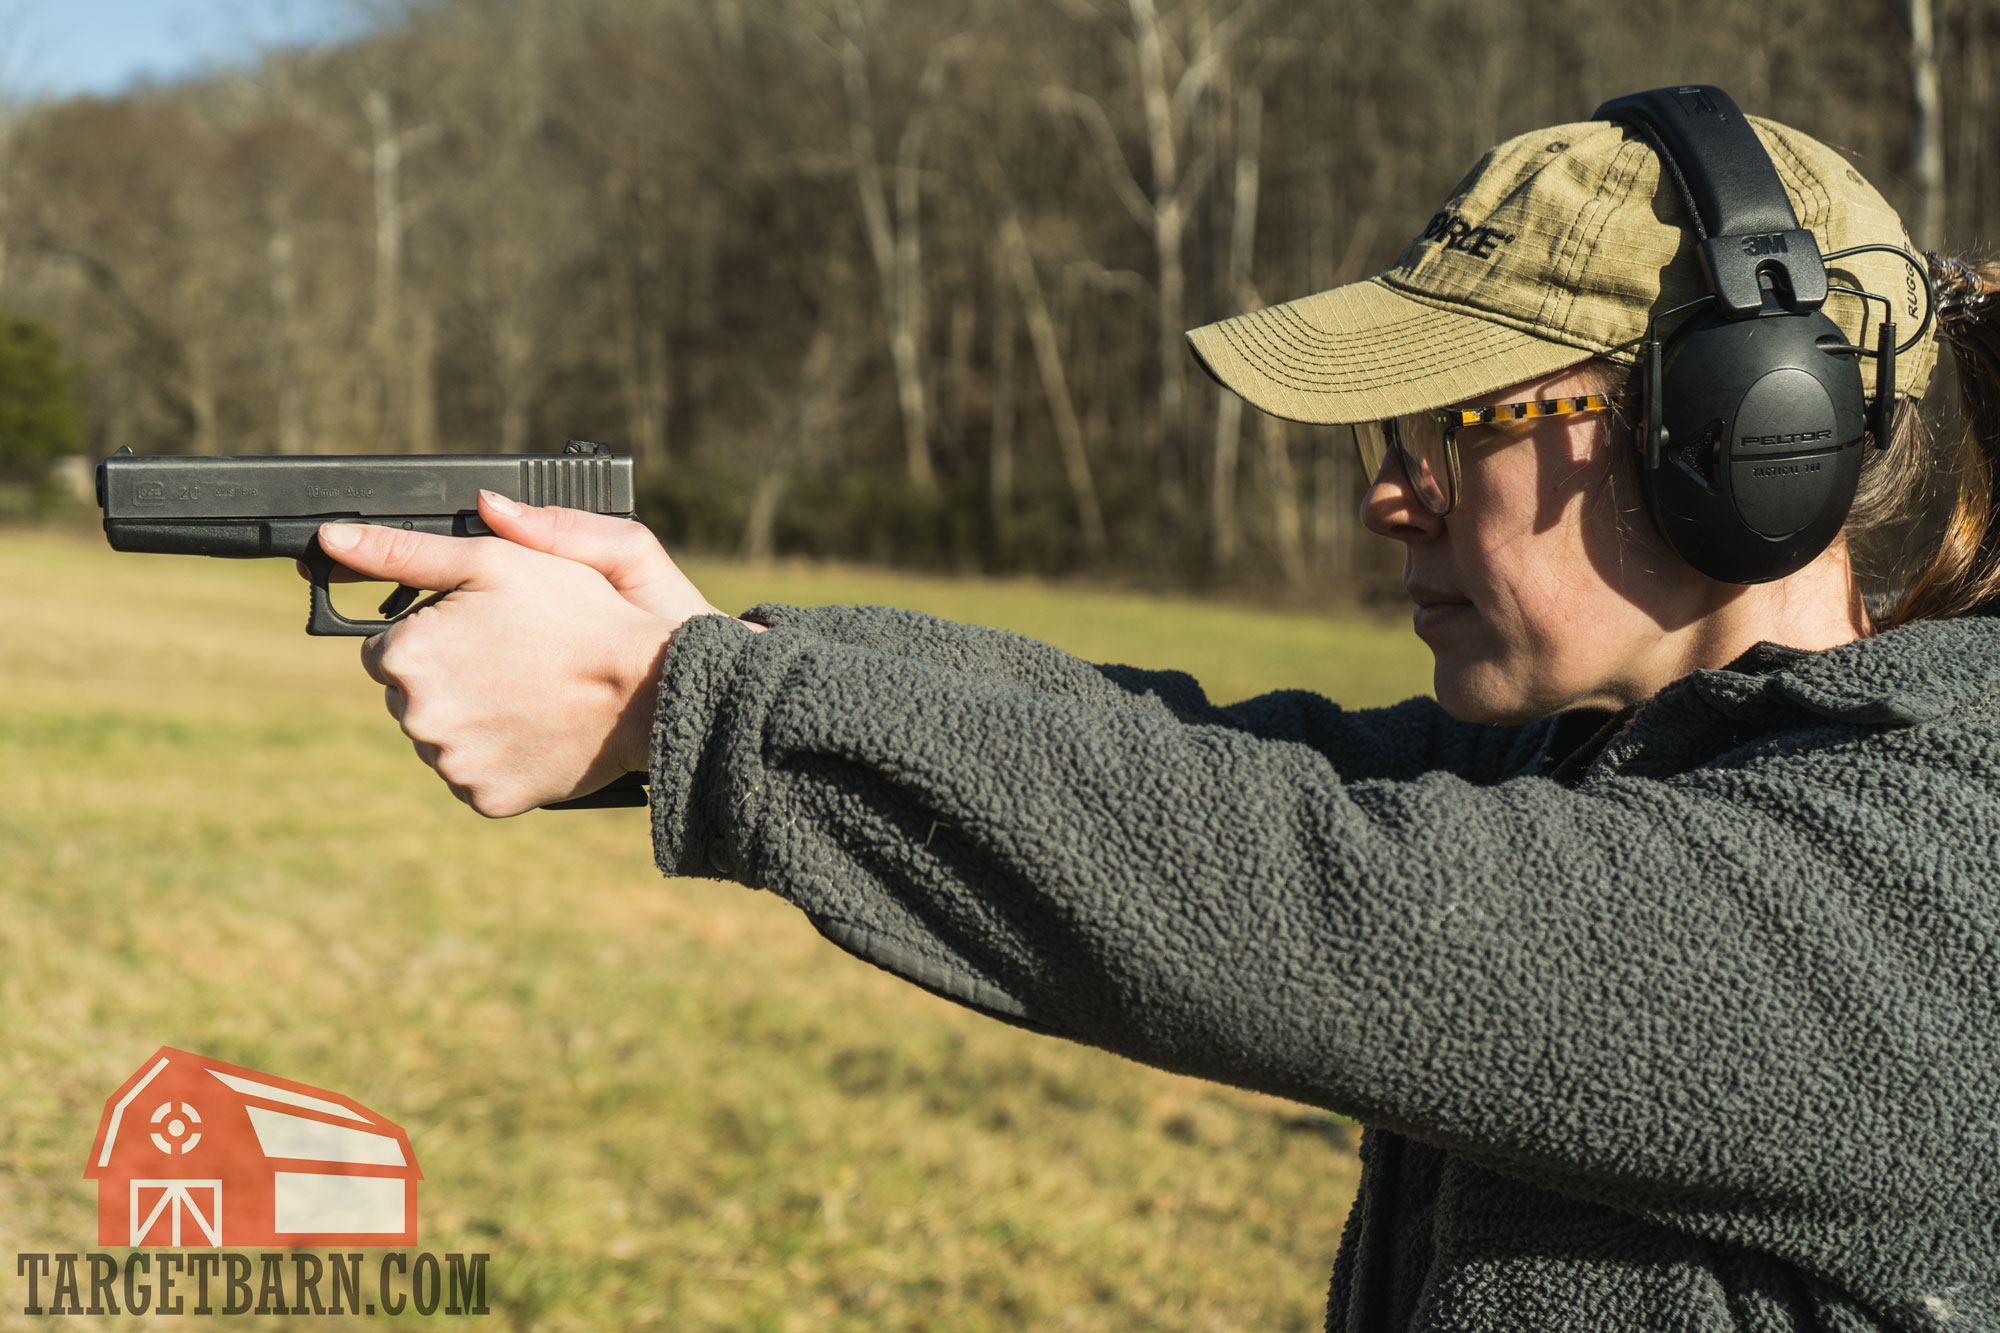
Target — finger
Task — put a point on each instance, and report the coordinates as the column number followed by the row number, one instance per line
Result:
column 624, row 552
column 414, row 559
column 372, row 649
column 428, row 753
column 396, row 702
column 480, row 798
column 335, row 575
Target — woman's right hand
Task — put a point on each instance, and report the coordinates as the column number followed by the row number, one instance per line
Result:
column 626, row 553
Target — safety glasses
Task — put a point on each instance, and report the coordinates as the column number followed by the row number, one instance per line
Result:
column 1426, row 443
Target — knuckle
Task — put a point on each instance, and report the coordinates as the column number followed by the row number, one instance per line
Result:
column 479, row 557
column 420, row 724
column 389, row 660
column 493, row 805
column 399, row 549
column 638, row 543
column 451, row 766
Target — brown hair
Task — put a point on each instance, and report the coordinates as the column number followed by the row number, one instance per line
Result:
column 1923, row 535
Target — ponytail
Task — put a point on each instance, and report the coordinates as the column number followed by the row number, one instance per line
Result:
column 1923, row 534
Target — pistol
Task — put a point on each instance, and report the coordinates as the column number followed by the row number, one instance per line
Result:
column 272, row 507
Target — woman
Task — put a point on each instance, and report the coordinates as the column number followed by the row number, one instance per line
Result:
column 1660, row 954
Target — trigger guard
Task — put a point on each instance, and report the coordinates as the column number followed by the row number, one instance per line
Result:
column 321, row 617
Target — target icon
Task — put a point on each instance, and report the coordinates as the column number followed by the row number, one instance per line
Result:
column 179, row 1130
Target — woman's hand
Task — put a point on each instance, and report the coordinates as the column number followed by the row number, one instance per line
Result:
column 534, row 678
column 626, row 553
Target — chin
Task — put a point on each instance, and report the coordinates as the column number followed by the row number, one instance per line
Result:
column 1484, row 695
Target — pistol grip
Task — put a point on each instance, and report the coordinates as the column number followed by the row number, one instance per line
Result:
column 629, row 790
column 321, row 617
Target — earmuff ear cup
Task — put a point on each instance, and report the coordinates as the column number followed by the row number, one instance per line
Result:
column 1764, row 438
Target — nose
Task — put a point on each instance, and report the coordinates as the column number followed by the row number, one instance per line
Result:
column 1390, row 507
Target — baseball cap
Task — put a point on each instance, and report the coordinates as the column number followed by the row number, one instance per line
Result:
column 1558, row 247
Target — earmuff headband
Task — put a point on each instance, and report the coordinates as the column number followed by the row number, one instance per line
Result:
column 1751, row 246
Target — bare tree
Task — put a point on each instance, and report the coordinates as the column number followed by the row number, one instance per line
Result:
column 1242, row 240
column 1167, row 101
column 897, row 245
column 1926, row 116
column 1055, row 384
column 390, row 331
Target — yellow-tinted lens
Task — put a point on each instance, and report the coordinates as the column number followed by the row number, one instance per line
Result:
column 1418, row 443
column 1425, row 458
column 1371, row 444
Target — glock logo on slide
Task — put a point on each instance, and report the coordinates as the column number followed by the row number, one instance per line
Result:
column 1771, row 244
column 149, row 493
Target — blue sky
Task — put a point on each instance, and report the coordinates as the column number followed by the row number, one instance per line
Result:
column 56, row 48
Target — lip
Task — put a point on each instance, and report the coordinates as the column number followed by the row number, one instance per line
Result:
column 1435, row 607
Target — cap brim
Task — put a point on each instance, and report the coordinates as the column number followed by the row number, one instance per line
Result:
column 1365, row 352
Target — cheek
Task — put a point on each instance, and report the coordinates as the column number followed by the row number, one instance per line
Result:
column 1543, row 591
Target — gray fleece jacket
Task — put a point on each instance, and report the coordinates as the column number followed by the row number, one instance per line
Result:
column 1695, row 1025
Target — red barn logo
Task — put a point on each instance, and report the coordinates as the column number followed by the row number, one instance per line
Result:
column 191, row 1151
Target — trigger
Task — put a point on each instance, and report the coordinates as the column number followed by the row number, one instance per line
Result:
column 398, row 602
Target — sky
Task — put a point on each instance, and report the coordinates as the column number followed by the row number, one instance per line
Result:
column 60, row 48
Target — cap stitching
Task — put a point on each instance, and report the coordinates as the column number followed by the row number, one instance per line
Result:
column 1358, row 364
column 1622, row 174
column 1300, row 378
column 1554, row 292
column 1492, row 316
column 1362, row 358
column 1311, row 338
column 1410, row 331
column 1292, row 356
column 1809, row 182
column 1563, row 291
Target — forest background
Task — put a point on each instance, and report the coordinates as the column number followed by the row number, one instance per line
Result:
column 898, row 282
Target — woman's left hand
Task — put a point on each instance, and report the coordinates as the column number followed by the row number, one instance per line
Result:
column 532, row 679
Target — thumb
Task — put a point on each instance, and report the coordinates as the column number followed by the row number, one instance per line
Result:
column 625, row 552
column 424, row 560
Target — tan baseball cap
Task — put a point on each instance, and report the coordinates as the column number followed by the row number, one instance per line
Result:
column 1558, row 247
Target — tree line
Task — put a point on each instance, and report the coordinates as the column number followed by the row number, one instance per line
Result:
column 899, row 280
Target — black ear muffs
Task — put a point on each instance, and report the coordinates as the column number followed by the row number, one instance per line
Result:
column 1755, row 410
column 1761, row 429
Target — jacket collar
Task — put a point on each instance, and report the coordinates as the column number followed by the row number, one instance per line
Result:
column 1925, row 672
column 1916, row 673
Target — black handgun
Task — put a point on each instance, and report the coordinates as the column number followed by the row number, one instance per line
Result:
column 272, row 507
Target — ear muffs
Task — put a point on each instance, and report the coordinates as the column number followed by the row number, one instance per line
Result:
column 1755, row 410
column 1762, row 425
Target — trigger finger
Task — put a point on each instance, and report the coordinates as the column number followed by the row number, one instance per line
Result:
column 338, row 574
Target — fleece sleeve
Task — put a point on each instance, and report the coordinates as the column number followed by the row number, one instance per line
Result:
column 1677, row 992
column 1403, row 741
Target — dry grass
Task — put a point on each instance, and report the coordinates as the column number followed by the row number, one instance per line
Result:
column 657, row 1104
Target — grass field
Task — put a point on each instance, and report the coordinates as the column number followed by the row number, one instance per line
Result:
column 656, row 1104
